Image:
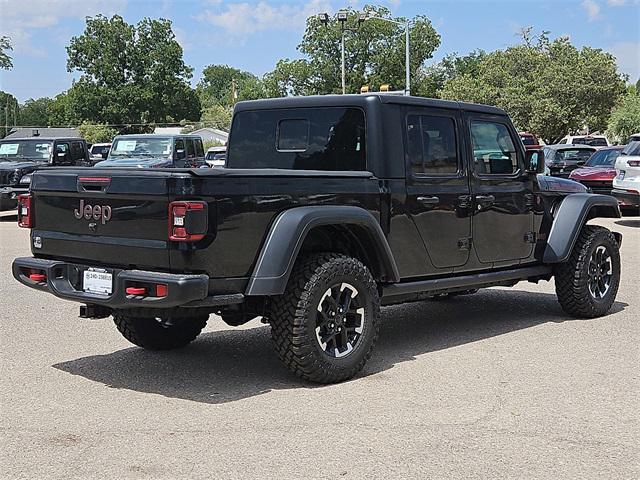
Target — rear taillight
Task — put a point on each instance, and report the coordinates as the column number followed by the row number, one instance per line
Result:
column 633, row 163
column 188, row 221
column 25, row 211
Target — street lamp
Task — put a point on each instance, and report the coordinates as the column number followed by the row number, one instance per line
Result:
column 342, row 16
column 407, row 71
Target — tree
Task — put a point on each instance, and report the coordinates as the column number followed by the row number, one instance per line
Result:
column 6, row 62
column 9, row 111
column 131, row 74
column 93, row 133
column 431, row 80
column 625, row 119
column 35, row 113
column 220, row 81
column 548, row 87
column 60, row 112
column 375, row 55
column 216, row 116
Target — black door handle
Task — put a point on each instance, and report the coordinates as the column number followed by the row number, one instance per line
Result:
column 428, row 200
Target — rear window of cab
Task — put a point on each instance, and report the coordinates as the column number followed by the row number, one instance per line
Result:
column 331, row 138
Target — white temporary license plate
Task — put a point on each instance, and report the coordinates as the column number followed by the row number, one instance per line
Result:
column 97, row 280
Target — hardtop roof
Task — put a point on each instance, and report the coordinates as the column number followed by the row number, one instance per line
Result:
column 362, row 100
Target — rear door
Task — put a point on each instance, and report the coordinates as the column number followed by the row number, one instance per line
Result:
column 503, row 220
column 102, row 217
column 437, row 184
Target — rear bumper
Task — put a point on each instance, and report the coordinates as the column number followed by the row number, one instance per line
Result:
column 64, row 280
column 626, row 198
column 9, row 197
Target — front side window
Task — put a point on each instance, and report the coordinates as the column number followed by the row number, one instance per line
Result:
column 431, row 145
column 77, row 152
column 199, row 148
column 331, row 138
column 494, row 152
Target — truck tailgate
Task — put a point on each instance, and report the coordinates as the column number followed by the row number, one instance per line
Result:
column 108, row 217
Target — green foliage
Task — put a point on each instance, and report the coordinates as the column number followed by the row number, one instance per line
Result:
column 431, row 80
column 216, row 116
column 9, row 112
column 548, row 87
column 375, row 55
column 219, row 81
column 212, row 143
column 130, row 73
column 35, row 113
column 6, row 62
column 625, row 119
column 93, row 133
column 59, row 111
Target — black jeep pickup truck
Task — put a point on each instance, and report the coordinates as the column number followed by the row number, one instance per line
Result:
column 329, row 208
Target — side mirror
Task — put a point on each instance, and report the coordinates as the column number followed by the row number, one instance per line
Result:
column 534, row 161
column 180, row 154
column 105, row 154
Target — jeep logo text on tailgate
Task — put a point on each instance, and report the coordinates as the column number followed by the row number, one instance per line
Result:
column 95, row 212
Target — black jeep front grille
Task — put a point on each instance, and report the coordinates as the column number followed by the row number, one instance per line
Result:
column 5, row 178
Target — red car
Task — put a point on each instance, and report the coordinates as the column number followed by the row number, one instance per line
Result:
column 598, row 172
column 530, row 141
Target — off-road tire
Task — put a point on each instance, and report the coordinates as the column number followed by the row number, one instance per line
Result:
column 571, row 277
column 150, row 334
column 293, row 317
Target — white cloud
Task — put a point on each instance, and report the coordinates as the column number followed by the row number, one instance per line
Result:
column 616, row 3
column 592, row 9
column 628, row 57
column 21, row 18
column 241, row 19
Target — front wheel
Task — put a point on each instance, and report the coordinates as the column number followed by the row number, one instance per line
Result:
column 155, row 333
column 587, row 283
column 325, row 325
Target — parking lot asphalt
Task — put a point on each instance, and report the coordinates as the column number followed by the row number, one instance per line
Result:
column 500, row 384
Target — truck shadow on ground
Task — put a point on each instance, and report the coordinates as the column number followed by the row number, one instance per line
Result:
column 628, row 223
column 230, row 365
column 9, row 218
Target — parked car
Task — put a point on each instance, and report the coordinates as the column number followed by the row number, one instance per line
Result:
column 591, row 140
column 561, row 160
column 626, row 184
column 99, row 151
column 598, row 172
column 216, row 156
column 328, row 207
column 155, row 151
column 634, row 138
column 530, row 141
column 20, row 157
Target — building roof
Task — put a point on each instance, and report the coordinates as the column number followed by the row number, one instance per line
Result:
column 217, row 131
column 48, row 133
column 168, row 130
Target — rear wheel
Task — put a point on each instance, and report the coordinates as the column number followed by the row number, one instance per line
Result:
column 156, row 333
column 587, row 283
column 325, row 325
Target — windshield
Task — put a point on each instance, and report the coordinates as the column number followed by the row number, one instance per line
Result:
column 129, row 147
column 571, row 155
column 603, row 158
column 25, row 149
column 593, row 142
column 632, row 149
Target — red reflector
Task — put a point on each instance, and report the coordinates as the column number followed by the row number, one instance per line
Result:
column 37, row 277
column 136, row 291
column 162, row 290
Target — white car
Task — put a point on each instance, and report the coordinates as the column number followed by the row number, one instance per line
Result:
column 626, row 184
column 634, row 138
column 591, row 140
column 216, row 157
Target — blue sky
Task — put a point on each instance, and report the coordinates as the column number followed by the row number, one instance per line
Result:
column 253, row 35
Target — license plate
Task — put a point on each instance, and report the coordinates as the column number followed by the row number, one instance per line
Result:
column 98, row 280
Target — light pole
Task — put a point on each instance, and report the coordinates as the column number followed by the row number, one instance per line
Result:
column 407, row 55
column 342, row 18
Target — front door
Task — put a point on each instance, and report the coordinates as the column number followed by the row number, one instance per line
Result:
column 437, row 185
column 503, row 228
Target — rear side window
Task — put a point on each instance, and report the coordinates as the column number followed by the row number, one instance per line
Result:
column 199, row 148
column 191, row 149
column 77, row 152
column 431, row 145
column 300, row 139
column 494, row 152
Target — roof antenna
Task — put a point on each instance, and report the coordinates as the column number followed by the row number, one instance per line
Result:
column 35, row 133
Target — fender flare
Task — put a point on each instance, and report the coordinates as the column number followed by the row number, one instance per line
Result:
column 288, row 232
column 573, row 213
